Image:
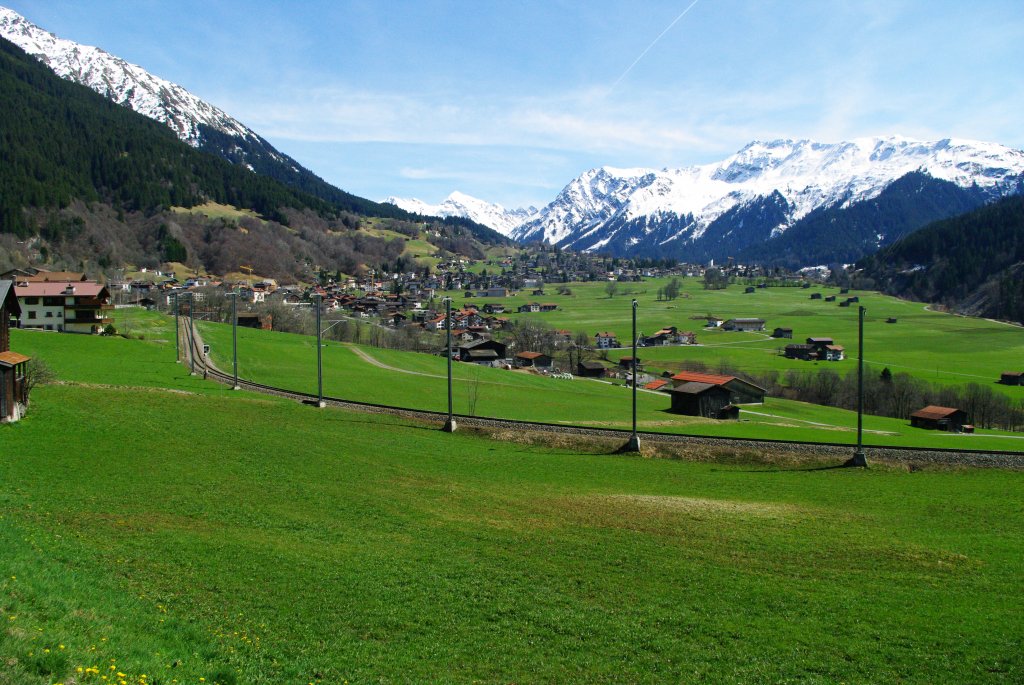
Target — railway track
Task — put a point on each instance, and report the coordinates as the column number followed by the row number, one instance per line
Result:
column 840, row 451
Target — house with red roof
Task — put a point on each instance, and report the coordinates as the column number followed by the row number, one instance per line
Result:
column 70, row 306
column 740, row 391
column 939, row 418
column 535, row 360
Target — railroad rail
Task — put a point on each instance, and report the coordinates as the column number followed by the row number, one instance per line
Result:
column 841, row 451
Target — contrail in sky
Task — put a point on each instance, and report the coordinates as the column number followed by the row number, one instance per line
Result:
column 653, row 43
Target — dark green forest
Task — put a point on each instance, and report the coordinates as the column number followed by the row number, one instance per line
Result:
column 60, row 141
column 973, row 262
column 94, row 182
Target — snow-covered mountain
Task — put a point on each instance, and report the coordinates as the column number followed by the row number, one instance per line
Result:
column 458, row 204
column 761, row 192
column 124, row 83
column 193, row 120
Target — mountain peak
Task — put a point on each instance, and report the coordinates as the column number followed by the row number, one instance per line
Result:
column 459, row 204
column 781, row 181
column 120, row 81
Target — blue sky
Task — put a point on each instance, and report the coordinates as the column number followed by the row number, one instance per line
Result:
column 510, row 100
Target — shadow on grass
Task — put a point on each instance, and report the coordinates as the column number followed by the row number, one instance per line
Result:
column 807, row 469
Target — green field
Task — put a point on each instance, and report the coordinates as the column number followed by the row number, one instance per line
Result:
column 934, row 346
column 419, row 381
column 164, row 528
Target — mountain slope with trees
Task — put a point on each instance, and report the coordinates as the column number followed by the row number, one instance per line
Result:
column 86, row 179
column 973, row 263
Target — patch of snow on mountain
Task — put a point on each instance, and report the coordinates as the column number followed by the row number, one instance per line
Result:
column 458, row 204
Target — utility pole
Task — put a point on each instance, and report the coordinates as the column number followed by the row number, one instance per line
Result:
column 192, row 331
column 449, row 426
column 177, row 350
column 318, row 300
column 234, row 334
column 634, row 440
column 859, row 458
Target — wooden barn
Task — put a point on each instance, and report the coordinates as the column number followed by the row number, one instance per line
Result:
column 13, row 366
column 939, row 418
column 481, row 351
column 701, row 399
column 590, row 369
column 536, row 360
column 748, row 324
column 1012, row 378
column 740, row 391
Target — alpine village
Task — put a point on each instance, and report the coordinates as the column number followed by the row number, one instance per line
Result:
column 765, row 427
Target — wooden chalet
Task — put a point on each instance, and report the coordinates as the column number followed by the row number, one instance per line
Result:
column 481, row 351
column 740, row 391
column 747, row 324
column 605, row 340
column 801, row 351
column 71, row 306
column 13, row 366
column 535, row 360
column 939, row 418
column 1012, row 378
column 783, row 333
column 591, row 369
column 709, row 400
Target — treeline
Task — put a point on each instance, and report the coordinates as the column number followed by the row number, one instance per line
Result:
column 971, row 262
column 885, row 394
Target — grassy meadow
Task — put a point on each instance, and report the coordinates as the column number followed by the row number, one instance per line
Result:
column 934, row 346
column 419, row 381
column 160, row 529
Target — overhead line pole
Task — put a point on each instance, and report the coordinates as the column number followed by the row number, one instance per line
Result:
column 449, row 426
column 319, row 354
column 177, row 334
column 634, row 439
column 234, row 335
column 859, row 458
column 192, row 331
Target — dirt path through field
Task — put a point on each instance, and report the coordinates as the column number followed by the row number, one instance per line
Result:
column 744, row 410
column 381, row 365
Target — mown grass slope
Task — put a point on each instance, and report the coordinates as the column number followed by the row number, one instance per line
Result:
column 931, row 345
column 419, row 381
column 197, row 535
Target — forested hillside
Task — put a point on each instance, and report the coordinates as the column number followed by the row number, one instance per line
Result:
column 973, row 263
column 843, row 235
column 85, row 180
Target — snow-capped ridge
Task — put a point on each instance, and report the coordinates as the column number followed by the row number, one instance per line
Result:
column 459, row 204
column 122, row 82
column 680, row 204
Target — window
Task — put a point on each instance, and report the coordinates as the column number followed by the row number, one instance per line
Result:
column 31, row 315
column 49, row 315
column 31, row 300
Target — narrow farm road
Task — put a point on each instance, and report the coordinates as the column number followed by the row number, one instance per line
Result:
column 381, row 365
